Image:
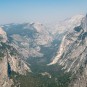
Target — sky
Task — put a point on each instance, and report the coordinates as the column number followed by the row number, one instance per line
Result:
column 44, row 11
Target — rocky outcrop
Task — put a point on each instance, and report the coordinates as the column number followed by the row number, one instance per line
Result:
column 10, row 61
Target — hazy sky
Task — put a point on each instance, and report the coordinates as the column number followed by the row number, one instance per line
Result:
column 40, row 10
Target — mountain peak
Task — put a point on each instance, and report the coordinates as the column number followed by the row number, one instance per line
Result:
column 38, row 26
column 37, row 23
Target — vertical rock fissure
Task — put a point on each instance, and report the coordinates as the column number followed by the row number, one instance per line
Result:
column 8, row 65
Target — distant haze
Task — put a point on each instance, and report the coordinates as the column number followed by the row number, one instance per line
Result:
column 44, row 11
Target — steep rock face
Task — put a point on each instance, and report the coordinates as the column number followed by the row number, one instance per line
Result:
column 80, row 79
column 10, row 61
column 73, row 47
column 72, row 54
